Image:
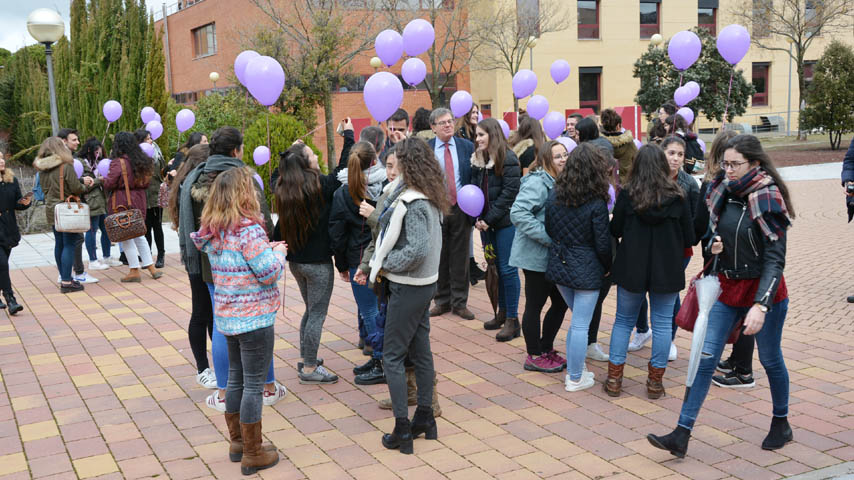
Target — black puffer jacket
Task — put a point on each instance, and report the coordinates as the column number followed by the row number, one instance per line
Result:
column 349, row 234
column 580, row 253
column 693, row 151
column 501, row 190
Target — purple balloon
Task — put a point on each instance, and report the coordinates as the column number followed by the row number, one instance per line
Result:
column 78, row 168
column 470, row 199
column 259, row 180
column 538, row 107
column 418, row 37
column 155, row 128
column 524, row 83
column 112, row 110
column 185, row 119
column 383, row 95
column 559, row 70
column 389, row 46
column 265, row 79
column 638, row 143
column 687, row 114
column 413, row 71
column 504, row 128
column 147, row 148
column 682, row 96
column 695, row 89
column 568, row 143
column 157, row 117
column 702, row 144
column 461, row 103
column 684, row 49
column 553, row 124
column 479, row 116
column 733, row 43
column 261, row 155
column 240, row 64
column 147, row 114
column 104, row 167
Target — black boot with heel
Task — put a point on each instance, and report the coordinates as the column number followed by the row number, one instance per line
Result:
column 676, row 442
column 424, row 422
column 400, row 438
column 779, row 435
column 14, row 306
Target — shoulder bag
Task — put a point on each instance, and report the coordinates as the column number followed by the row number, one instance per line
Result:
column 128, row 223
column 70, row 215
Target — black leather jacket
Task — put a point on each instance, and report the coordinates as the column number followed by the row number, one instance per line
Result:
column 748, row 253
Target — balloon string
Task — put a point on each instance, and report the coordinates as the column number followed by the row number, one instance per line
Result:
column 680, row 77
column 319, row 127
column 268, row 128
column 105, row 133
column 726, row 106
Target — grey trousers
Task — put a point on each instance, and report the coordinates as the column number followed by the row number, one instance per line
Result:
column 407, row 330
column 453, row 286
column 315, row 281
column 249, row 355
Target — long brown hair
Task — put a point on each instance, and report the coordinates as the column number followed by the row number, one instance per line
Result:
column 362, row 156
column 55, row 146
column 584, row 178
column 464, row 123
column 195, row 155
column 496, row 148
column 751, row 149
column 650, row 183
column 232, row 200
column 529, row 128
column 716, row 154
column 299, row 197
column 421, row 172
column 545, row 160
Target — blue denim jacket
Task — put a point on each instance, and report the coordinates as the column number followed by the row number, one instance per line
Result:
column 531, row 243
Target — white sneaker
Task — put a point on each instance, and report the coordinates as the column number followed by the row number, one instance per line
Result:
column 673, row 352
column 594, row 352
column 207, row 378
column 85, row 278
column 59, row 278
column 113, row 262
column 98, row 265
column 213, row 401
column 586, row 381
column 639, row 340
column 270, row 398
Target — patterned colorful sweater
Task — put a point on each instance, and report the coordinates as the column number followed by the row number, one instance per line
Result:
column 245, row 271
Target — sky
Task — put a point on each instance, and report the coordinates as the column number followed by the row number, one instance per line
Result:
column 13, row 20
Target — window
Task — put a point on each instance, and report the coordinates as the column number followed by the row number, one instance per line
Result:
column 588, row 19
column 812, row 18
column 528, row 16
column 204, row 40
column 707, row 15
column 186, row 97
column 809, row 71
column 760, row 83
column 650, row 17
column 486, row 110
column 761, row 17
column 589, row 87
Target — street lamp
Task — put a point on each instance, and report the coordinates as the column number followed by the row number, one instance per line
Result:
column 214, row 77
column 532, row 42
column 789, row 97
column 656, row 40
column 46, row 26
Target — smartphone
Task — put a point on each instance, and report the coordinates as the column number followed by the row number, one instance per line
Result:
column 29, row 195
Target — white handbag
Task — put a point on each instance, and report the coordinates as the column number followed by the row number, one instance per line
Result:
column 70, row 216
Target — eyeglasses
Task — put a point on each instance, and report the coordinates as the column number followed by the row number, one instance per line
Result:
column 732, row 165
column 444, row 123
column 561, row 155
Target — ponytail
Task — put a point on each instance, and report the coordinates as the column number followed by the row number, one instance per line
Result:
column 362, row 156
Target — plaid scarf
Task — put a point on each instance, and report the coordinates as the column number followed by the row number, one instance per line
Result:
column 764, row 201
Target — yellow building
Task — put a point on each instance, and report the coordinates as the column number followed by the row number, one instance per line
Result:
column 607, row 36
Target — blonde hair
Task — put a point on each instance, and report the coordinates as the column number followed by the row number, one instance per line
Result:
column 55, row 146
column 232, row 201
column 8, row 176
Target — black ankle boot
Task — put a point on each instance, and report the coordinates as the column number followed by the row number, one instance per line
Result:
column 374, row 376
column 424, row 422
column 364, row 368
column 676, row 442
column 161, row 260
column 123, row 258
column 779, row 435
column 14, row 306
column 400, row 438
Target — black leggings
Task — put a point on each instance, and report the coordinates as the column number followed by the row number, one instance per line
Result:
column 742, row 354
column 593, row 331
column 537, row 291
column 154, row 221
column 5, row 281
column 201, row 321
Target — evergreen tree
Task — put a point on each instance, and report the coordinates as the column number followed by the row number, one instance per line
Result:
column 830, row 98
column 155, row 94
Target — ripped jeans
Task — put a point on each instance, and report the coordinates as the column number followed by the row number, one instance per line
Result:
column 722, row 319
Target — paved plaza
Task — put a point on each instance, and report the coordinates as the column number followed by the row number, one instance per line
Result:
column 101, row 384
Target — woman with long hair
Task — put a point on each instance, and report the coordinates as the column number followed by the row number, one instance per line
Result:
column 91, row 153
column 676, row 125
column 526, row 142
column 154, row 214
column 652, row 220
column 11, row 201
column 349, row 235
column 580, row 253
column 194, row 139
column 530, row 252
column 307, row 197
column 138, row 167
column 749, row 214
column 56, row 169
column 495, row 169
column 467, row 124
column 407, row 260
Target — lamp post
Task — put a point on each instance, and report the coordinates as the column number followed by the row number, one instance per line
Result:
column 46, row 26
column 789, row 96
column 532, row 42
column 214, row 77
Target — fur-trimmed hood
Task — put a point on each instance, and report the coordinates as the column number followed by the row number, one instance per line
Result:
column 44, row 164
column 520, row 147
column 618, row 139
column 477, row 160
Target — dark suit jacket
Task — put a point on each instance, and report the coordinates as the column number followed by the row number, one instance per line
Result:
column 465, row 149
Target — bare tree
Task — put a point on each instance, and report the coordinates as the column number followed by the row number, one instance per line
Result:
column 320, row 40
column 799, row 22
column 505, row 33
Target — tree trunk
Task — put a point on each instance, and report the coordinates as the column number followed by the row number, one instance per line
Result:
column 802, row 134
column 331, row 161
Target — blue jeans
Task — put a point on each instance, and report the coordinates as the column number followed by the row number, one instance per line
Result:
column 508, row 277
column 219, row 352
column 97, row 223
column 628, row 305
column 366, row 300
column 722, row 319
column 63, row 252
column 643, row 324
column 582, row 303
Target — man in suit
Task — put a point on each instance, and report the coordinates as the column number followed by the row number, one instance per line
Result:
column 454, row 156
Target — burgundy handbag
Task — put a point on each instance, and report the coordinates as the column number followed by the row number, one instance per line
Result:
column 691, row 308
column 128, row 223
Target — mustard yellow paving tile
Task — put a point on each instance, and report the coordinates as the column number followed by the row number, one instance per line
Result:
column 170, row 360
column 463, row 377
column 632, row 372
column 444, row 460
column 557, row 447
column 541, row 464
column 172, row 335
column 89, row 333
column 163, row 351
column 354, row 356
column 642, row 467
column 463, row 443
column 592, row 466
column 274, row 422
column 119, row 310
column 713, row 436
column 538, row 379
column 111, row 359
column 481, row 428
column 102, row 298
column 15, row 462
column 328, row 336
column 114, row 370
column 822, row 374
column 334, row 410
column 497, row 414
column 472, row 473
column 9, row 341
column 117, row 334
column 329, row 439
column 168, row 393
column 122, row 293
column 28, row 401
column 134, row 301
column 284, row 439
column 88, row 379
column 184, row 305
column 35, row 431
column 637, row 405
column 472, row 324
column 95, row 466
column 131, row 351
column 44, row 359
column 131, row 321
column 306, row 456
column 283, row 345
column 7, row 328
column 1, row 377
column 132, row 391
column 144, row 310
column 540, row 415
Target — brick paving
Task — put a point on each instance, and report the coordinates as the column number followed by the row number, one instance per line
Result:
column 99, row 384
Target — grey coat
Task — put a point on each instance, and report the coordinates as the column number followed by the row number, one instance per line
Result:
column 531, row 243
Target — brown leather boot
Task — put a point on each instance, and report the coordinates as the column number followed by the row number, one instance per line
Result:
column 437, row 410
column 509, row 331
column 132, row 276
column 235, row 449
column 497, row 322
column 155, row 273
column 614, row 384
column 411, row 391
column 654, row 386
column 255, row 457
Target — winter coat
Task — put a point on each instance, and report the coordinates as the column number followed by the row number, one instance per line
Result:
column 693, row 151
column 49, row 179
column 531, row 243
column 499, row 191
column 373, row 222
column 848, row 164
column 650, row 254
column 624, row 152
column 691, row 189
column 524, row 151
column 94, row 195
column 10, row 195
column 153, row 190
column 115, row 185
column 349, row 232
column 580, row 254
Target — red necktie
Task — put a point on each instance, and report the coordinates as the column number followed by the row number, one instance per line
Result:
column 450, row 174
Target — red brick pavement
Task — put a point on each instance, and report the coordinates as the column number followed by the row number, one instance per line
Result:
column 100, row 384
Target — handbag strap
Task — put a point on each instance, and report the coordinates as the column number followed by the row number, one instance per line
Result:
column 62, row 182
column 127, row 188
